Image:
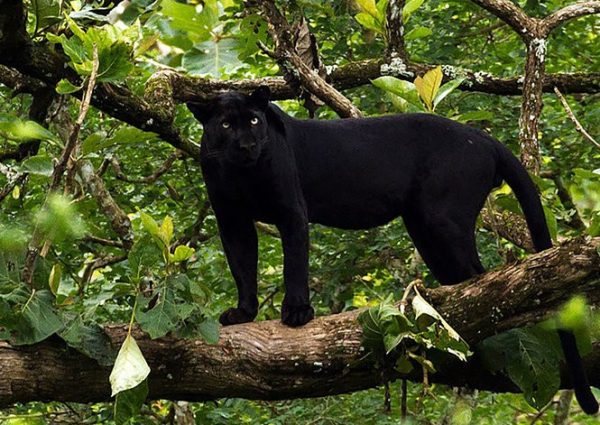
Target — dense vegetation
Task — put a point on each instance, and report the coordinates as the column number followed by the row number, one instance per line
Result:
column 104, row 222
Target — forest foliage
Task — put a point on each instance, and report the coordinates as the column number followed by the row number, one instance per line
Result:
column 160, row 264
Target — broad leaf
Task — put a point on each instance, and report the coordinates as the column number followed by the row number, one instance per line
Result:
column 64, row 86
column 445, row 90
column 209, row 329
column 54, row 279
column 89, row 340
column 182, row 253
column 40, row 164
column 428, row 86
column 530, row 357
column 404, row 89
column 418, row 32
column 426, row 314
column 129, row 403
column 410, row 7
column 212, row 58
column 38, row 319
column 162, row 318
column 130, row 367
column 46, row 12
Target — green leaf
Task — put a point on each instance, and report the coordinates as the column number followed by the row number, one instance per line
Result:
column 182, row 253
column 212, row 58
column 64, row 86
column 428, row 86
column 150, row 225
column 530, row 357
column 59, row 220
column 419, row 32
column 54, row 279
column 38, row 319
column 46, row 13
column 129, row 403
column 426, row 315
column 130, row 367
column 115, row 50
column 473, row 116
column 403, row 365
column 209, row 330
column 96, row 142
column 551, row 222
column 27, row 130
column 370, row 22
column 186, row 18
column 166, row 230
column 162, row 318
column 445, row 90
column 404, row 89
column 40, row 165
column 575, row 316
column 89, row 340
column 594, row 227
column 410, row 7
column 368, row 6
column 143, row 256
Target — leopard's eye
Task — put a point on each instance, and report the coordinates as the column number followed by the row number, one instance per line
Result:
column 254, row 121
column 225, row 124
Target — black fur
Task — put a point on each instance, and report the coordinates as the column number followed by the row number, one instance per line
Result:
column 353, row 174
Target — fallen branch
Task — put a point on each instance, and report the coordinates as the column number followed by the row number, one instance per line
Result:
column 267, row 360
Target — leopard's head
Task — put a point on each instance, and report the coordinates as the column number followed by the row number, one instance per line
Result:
column 235, row 125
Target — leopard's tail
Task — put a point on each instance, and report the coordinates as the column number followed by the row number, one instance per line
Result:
column 513, row 172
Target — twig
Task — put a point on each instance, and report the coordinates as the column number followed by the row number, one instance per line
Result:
column 573, row 118
column 102, row 241
column 162, row 169
column 36, row 239
column 98, row 263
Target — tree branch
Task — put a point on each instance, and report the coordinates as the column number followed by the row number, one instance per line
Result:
column 267, row 360
column 582, row 8
column 510, row 13
column 288, row 57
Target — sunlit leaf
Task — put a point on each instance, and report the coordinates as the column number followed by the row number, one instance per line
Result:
column 182, row 253
column 130, row 367
column 404, row 89
column 55, row 277
column 445, row 90
column 428, row 86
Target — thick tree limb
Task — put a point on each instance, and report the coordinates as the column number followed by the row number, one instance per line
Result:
column 266, row 360
column 571, row 11
column 510, row 13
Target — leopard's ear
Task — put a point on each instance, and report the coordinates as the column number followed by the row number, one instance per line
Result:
column 260, row 97
column 201, row 110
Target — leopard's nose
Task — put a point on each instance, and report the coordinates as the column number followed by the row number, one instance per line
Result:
column 248, row 146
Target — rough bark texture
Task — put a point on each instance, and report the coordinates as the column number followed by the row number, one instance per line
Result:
column 267, row 360
column 531, row 106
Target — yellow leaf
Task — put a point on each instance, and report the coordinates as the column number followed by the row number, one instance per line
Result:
column 428, row 86
column 369, row 7
column 54, row 279
column 166, row 230
column 16, row 192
